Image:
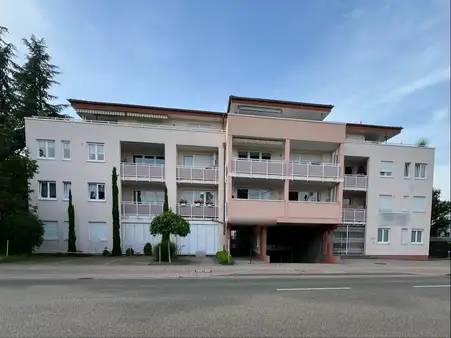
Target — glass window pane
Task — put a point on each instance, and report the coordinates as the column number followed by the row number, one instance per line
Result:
column 92, row 191
column 412, row 239
column 188, row 161
column 101, row 188
column 44, row 189
column 419, row 236
column 386, row 232
column 254, row 155
column 92, row 151
column 242, row 154
column 51, row 149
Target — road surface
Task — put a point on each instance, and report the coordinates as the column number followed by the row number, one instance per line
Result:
column 227, row 307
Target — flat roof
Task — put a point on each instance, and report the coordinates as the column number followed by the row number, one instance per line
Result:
column 76, row 103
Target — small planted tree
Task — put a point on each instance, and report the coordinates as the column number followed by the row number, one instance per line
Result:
column 165, row 209
column 71, row 243
column 422, row 143
column 117, row 251
column 167, row 224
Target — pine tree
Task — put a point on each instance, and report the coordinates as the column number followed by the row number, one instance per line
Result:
column 71, row 244
column 34, row 81
column 8, row 69
column 117, row 251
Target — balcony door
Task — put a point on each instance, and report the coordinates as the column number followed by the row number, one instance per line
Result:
column 203, row 196
column 145, row 196
column 148, row 159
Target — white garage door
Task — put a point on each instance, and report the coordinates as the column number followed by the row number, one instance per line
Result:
column 204, row 237
column 136, row 235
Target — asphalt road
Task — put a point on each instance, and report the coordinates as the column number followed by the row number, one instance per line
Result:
column 227, row 307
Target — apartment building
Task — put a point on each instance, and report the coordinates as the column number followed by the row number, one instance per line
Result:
column 266, row 178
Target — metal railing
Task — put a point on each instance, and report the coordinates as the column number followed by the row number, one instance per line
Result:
column 298, row 170
column 141, row 210
column 385, row 143
column 197, row 174
column 131, row 124
column 352, row 182
column 257, row 168
column 354, row 215
column 142, row 172
column 349, row 240
column 199, row 211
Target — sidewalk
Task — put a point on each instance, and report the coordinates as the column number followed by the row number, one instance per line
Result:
column 348, row 267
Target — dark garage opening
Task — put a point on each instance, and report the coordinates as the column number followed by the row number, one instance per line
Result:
column 242, row 241
column 294, row 244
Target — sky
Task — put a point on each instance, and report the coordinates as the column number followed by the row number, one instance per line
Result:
column 378, row 62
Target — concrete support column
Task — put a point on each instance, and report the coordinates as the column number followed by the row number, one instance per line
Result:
column 341, row 162
column 221, row 186
column 229, row 153
column 328, row 248
column 263, row 244
column 170, row 167
column 228, row 234
column 286, row 187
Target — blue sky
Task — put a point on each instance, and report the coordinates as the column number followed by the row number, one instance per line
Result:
column 384, row 62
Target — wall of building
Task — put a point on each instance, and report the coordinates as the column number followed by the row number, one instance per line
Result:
column 79, row 171
column 397, row 186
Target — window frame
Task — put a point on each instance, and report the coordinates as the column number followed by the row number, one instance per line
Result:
column 379, row 203
column 154, row 159
column 97, row 199
column 386, row 172
column 407, row 169
column 51, row 239
column 383, row 230
column 423, row 198
column 47, row 142
column 260, row 158
column 65, row 183
column 40, row 183
column 419, row 172
column 414, row 233
column 96, row 153
column 63, row 144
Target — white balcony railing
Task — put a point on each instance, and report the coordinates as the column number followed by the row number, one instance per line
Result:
column 197, row 174
column 311, row 171
column 141, row 210
column 197, row 211
column 356, row 182
column 257, row 168
column 354, row 215
column 384, row 143
column 131, row 124
column 142, row 172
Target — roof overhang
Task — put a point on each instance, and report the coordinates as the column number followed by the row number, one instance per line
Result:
column 371, row 131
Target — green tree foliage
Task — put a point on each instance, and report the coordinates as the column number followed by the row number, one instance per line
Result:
column 117, row 251
column 71, row 243
column 422, row 142
column 8, row 69
column 440, row 214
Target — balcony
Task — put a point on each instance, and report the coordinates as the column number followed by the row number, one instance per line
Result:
column 356, row 182
column 188, row 174
column 314, row 172
column 197, row 211
column 141, row 210
column 354, row 216
column 142, row 172
column 255, row 211
column 313, row 212
column 257, row 168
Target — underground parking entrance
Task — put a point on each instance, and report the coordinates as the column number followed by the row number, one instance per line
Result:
column 282, row 243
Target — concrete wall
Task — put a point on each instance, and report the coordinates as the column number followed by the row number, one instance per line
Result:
column 397, row 186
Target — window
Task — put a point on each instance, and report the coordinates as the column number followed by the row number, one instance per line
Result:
column 65, row 146
column 98, row 232
column 66, row 231
column 404, row 236
column 407, row 169
column 385, row 202
column 254, row 155
column 203, row 196
column 405, row 204
column 46, row 149
column 311, row 158
column 50, row 231
column 420, row 170
column 96, row 191
column 47, row 189
column 148, row 159
column 419, row 204
column 386, row 168
column 188, row 161
column 254, row 194
column 416, row 237
column 96, row 152
column 383, row 236
column 66, row 190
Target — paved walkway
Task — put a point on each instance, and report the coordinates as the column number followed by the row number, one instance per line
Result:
column 348, row 267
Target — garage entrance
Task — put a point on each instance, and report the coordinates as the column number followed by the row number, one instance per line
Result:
column 295, row 244
column 242, row 241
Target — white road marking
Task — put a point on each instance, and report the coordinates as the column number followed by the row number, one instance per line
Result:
column 431, row 286
column 314, row 289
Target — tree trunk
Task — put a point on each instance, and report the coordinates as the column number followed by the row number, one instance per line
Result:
column 169, row 252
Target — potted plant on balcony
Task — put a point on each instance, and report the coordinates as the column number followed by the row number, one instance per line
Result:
column 183, row 202
column 197, row 203
column 209, row 203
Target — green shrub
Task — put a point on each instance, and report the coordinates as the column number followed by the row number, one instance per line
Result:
column 106, row 253
column 130, row 252
column 148, row 249
column 223, row 257
column 164, row 251
column 24, row 231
